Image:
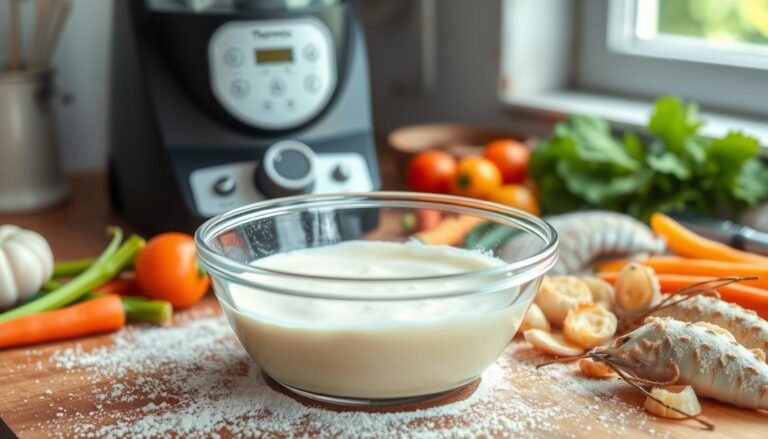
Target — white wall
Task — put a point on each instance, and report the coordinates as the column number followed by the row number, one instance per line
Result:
column 81, row 62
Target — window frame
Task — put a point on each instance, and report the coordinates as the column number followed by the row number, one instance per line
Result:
column 623, row 38
column 555, row 60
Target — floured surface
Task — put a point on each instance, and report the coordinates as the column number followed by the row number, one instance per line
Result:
column 194, row 380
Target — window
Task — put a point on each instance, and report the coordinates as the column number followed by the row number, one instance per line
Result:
column 612, row 58
column 729, row 32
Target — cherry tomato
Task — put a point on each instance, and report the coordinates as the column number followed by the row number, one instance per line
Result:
column 511, row 157
column 517, row 196
column 431, row 171
column 475, row 177
column 166, row 269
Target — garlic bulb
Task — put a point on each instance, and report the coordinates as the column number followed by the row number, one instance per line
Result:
column 26, row 263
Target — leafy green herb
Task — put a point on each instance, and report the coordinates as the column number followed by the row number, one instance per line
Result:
column 583, row 165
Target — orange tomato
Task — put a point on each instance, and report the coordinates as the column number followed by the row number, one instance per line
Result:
column 511, row 157
column 166, row 269
column 475, row 177
column 431, row 171
column 517, row 196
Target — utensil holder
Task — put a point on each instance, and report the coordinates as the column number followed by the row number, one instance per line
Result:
column 30, row 176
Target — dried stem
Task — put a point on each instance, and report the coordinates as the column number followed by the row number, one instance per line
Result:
column 563, row 360
column 633, row 381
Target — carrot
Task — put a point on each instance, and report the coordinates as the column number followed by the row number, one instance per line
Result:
column 749, row 297
column 698, row 267
column 428, row 219
column 686, row 243
column 121, row 286
column 104, row 314
column 450, row 231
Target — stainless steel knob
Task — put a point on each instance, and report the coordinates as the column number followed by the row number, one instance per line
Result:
column 289, row 168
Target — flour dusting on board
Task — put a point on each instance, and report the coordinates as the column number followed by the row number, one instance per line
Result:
column 207, row 385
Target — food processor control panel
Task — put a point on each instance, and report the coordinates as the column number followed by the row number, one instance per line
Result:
column 275, row 74
column 288, row 168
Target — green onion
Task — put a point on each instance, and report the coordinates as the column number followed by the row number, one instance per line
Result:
column 111, row 262
column 141, row 309
column 72, row 268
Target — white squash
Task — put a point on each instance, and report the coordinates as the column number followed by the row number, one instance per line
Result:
column 26, row 263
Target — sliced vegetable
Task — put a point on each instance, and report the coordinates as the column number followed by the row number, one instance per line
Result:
column 699, row 267
column 554, row 344
column 111, row 262
column 589, row 325
column 26, row 263
column 559, row 294
column 687, row 243
column 593, row 369
column 535, row 319
column 637, row 290
column 682, row 398
column 749, row 297
column 489, row 236
column 167, row 269
column 450, row 231
column 602, row 292
column 104, row 314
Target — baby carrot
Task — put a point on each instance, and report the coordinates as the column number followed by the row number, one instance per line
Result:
column 104, row 314
column 698, row 267
column 748, row 297
column 686, row 243
column 449, row 231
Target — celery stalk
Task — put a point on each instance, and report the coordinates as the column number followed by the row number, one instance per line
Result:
column 107, row 266
column 72, row 268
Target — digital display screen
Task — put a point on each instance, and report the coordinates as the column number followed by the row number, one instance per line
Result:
column 267, row 56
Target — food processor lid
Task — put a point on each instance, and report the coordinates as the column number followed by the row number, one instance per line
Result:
column 218, row 6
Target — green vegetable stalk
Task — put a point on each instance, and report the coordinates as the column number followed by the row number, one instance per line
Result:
column 140, row 309
column 585, row 166
column 72, row 268
column 111, row 262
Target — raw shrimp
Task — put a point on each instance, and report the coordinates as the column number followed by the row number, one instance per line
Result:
column 746, row 326
column 588, row 235
column 666, row 351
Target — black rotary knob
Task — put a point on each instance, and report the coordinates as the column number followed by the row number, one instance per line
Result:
column 288, row 168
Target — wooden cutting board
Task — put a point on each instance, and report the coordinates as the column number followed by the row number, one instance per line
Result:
column 40, row 398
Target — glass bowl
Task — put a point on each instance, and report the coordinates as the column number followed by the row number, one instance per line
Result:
column 370, row 338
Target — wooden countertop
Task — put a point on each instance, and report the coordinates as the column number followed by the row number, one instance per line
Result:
column 39, row 399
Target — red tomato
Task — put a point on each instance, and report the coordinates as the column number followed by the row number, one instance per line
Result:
column 475, row 177
column 166, row 269
column 511, row 157
column 431, row 171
